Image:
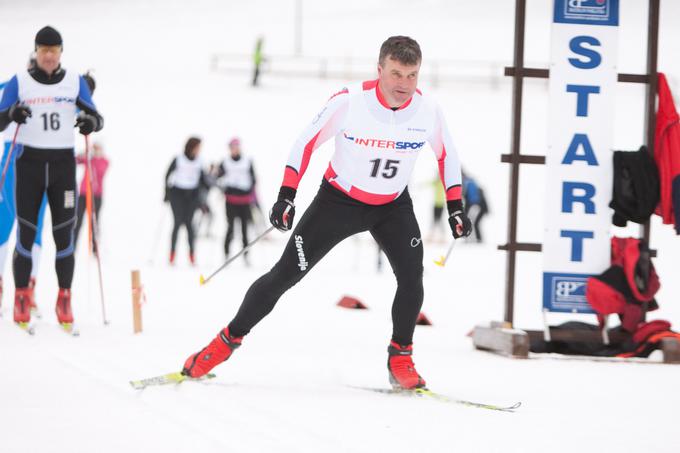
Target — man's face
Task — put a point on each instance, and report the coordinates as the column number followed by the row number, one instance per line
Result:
column 48, row 57
column 235, row 150
column 397, row 81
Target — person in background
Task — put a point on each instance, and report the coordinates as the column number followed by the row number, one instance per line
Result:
column 182, row 183
column 238, row 180
column 475, row 205
column 99, row 164
column 437, row 231
column 258, row 58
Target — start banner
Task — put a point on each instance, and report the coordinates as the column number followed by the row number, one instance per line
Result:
column 583, row 73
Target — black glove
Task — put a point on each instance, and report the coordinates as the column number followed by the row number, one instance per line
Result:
column 283, row 211
column 459, row 222
column 86, row 123
column 166, row 196
column 19, row 113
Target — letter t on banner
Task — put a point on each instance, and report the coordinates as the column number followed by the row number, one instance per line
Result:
column 583, row 78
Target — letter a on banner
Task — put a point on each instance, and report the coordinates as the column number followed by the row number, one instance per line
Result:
column 579, row 158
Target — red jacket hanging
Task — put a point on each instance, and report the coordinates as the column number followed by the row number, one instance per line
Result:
column 667, row 155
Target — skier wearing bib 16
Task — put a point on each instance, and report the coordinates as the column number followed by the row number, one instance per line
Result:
column 45, row 102
column 379, row 127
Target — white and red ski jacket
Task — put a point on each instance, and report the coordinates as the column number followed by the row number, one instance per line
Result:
column 375, row 147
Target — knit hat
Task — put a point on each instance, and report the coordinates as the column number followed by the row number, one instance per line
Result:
column 48, row 36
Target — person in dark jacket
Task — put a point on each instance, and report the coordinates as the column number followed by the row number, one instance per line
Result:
column 475, row 204
column 238, row 176
column 182, row 182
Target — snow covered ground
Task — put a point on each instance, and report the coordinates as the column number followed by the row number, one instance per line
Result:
column 288, row 389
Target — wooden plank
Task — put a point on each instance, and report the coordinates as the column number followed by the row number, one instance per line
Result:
column 535, row 247
column 508, row 342
column 541, row 73
column 577, row 336
column 516, row 127
column 522, row 159
column 671, row 350
column 521, row 247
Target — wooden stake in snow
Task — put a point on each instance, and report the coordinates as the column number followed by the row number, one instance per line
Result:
column 137, row 291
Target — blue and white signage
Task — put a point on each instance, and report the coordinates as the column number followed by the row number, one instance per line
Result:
column 579, row 159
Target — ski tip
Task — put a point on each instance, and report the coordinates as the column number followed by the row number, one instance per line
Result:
column 69, row 328
column 27, row 327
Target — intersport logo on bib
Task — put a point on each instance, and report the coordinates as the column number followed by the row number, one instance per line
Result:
column 385, row 144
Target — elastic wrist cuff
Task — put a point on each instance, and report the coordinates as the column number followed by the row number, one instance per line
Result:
column 454, row 205
column 287, row 193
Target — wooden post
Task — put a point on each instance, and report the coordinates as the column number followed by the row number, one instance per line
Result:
column 136, row 301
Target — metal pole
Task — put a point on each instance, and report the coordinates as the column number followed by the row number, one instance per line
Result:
column 517, row 85
column 650, row 110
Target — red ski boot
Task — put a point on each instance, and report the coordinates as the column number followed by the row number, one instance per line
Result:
column 34, row 306
column 63, row 308
column 219, row 350
column 403, row 374
column 22, row 305
column 172, row 258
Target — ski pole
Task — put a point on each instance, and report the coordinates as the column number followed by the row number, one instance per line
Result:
column 205, row 280
column 92, row 221
column 9, row 158
column 443, row 259
column 88, row 195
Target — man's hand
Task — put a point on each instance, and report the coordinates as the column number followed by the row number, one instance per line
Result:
column 86, row 123
column 19, row 113
column 458, row 221
column 283, row 211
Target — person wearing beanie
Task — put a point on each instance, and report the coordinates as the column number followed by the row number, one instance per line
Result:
column 237, row 175
column 183, row 182
column 44, row 102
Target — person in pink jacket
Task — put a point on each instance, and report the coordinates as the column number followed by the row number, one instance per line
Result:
column 99, row 165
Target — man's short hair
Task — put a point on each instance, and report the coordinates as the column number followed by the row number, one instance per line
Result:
column 401, row 48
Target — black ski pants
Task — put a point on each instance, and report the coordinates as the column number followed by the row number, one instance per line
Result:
column 241, row 212
column 183, row 203
column 332, row 217
column 39, row 171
